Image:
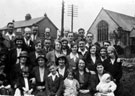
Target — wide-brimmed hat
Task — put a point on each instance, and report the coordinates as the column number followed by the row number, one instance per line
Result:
column 24, row 54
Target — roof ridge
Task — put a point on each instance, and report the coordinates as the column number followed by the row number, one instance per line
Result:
column 119, row 13
column 30, row 19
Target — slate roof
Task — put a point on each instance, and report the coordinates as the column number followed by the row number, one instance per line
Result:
column 25, row 23
column 122, row 20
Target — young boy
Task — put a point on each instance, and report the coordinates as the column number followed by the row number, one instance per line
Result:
column 54, row 82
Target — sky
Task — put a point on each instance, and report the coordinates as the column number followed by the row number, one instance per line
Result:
column 87, row 10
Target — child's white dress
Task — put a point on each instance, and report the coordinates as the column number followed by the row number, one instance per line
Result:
column 103, row 87
column 71, row 87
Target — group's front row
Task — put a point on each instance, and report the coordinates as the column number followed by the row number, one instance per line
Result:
column 59, row 80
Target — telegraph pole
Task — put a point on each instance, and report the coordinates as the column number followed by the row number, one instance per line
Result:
column 73, row 12
column 62, row 18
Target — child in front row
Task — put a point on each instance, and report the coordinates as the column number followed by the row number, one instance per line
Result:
column 106, row 86
column 54, row 82
column 71, row 85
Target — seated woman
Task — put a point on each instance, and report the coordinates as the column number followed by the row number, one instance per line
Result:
column 84, row 79
column 106, row 87
column 96, row 78
column 38, row 75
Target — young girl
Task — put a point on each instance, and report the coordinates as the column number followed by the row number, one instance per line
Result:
column 71, row 85
column 106, row 87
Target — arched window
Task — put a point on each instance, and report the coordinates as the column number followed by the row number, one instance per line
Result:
column 102, row 29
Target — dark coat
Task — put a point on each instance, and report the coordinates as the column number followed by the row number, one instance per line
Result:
column 54, row 87
column 89, row 63
column 87, row 81
column 29, row 48
column 36, row 74
column 114, row 69
column 21, row 84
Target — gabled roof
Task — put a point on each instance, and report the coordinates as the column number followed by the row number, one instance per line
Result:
column 124, row 21
column 25, row 23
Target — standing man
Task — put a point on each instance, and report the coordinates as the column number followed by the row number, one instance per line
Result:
column 35, row 30
column 9, row 36
column 70, row 38
column 29, row 45
column 89, row 39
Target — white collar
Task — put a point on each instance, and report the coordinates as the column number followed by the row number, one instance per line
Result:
column 50, row 75
column 87, row 45
column 74, row 56
column 83, row 52
column 7, row 34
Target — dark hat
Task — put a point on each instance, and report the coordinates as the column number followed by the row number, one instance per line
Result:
column 64, row 39
column 24, row 54
column 42, row 56
column 62, row 56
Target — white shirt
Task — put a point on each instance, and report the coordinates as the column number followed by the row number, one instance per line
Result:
column 83, row 52
column 61, row 71
column 53, row 76
column 10, row 35
column 36, row 54
column 26, row 83
column 18, row 51
column 74, row 57
column 112, row 61
column 27, row 41
column 41, row 73
column 93, row 59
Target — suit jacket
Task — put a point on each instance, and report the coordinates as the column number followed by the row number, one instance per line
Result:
column 65, row 73
column 45, row 50
column 54, row 87
column 9, row 43
column 36, row 74
column 33, row 62
column 89, row 63
column 114, row 69
column 29, row 48
column 21, row 83
column 15, row 73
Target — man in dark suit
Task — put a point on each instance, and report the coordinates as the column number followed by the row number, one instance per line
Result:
column 54, row 82
column 47, row 47
column 9, row 36
column 29, row 45
column 65, row 49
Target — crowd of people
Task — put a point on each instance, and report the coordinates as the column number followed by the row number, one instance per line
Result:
column 67, row 66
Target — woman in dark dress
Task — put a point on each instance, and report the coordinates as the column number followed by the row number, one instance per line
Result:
column 84, row 79
column 113, row 65
column 91, row 59
column 39, row 74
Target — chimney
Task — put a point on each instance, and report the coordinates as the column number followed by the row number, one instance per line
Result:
column 28, row 17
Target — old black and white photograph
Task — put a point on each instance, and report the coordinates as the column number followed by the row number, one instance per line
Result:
column 67, row 47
